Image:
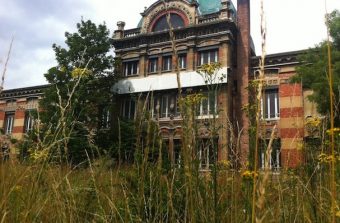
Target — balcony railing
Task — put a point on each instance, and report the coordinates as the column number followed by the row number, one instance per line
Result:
column 131, row 32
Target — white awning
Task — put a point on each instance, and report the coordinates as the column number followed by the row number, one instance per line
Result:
column 158, row 82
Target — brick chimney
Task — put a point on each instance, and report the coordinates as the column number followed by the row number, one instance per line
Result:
column 242, row 78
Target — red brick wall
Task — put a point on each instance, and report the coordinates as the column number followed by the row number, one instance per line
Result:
column 291, row 158
column 243, row 71
column 291, row 124
column 291, row 112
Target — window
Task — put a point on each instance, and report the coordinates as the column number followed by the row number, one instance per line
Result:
column 166, row 106
column 162, row 24
column 105, row 118
column 167, row 63
column 131, row 68
column 128, row 108
column 177, row 151
column 206, row 150
column 182, row 61
column 275, row 157
column 153, row 65
column 207, row 56
column 29, row 122
column 270, row 104
column 208, row 104
column 9, row 122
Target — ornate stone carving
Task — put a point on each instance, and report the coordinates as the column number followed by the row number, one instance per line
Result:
column 179, row 6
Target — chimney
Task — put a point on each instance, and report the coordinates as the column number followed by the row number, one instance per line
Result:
column 242, row 78
column 119, row 33
column 226, row 11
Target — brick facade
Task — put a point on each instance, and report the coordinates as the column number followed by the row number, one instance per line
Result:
column 18, row 102
column 214, row 35
column 243, row 73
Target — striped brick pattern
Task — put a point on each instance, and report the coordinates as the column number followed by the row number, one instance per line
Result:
column 291, row 124
column 19, row 123
column 2, row 119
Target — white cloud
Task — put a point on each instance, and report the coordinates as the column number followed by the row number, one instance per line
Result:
column 37, row 24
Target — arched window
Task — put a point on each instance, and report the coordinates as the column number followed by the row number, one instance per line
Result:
column 162, row 24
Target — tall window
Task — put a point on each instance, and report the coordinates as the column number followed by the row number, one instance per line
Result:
column 105, row 118
column 270, row 104
column 206, row 152
column 182, row 61
column 177, row 151
column 129, row 108
column 167, row 63
column 275, row 156
column 207, row 57
column 29, row 122
column 9, row 122
column 153, row 65
column 208, row 105
column 131, row 68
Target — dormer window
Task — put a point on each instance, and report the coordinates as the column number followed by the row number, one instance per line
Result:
column 161, row 24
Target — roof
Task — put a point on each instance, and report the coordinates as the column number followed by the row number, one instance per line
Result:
column 26, row 91
column 208, row 6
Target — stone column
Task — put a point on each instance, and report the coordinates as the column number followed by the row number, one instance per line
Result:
column 143, row 62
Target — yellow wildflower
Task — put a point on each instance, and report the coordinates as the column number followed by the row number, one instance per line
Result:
column 338, row 214
column 224, row 164
column 17, row 188
column 249, row 174
column 324, row 158
column 80, row 72
column 335, row 130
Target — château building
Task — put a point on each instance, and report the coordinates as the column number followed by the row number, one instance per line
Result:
column 204, row 31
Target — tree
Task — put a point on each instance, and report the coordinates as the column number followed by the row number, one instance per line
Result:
column 314, row 69
column 79, row 101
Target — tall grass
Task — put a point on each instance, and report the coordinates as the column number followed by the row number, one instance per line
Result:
column 154, row 189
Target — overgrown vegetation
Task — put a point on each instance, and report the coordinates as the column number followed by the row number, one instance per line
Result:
column 313, row 73
column 75, row 111
column 153, row 188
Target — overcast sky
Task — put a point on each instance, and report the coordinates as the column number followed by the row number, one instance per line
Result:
column 37, row 24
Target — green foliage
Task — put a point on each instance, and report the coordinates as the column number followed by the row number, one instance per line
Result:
column 313, row 73
column 72, row 108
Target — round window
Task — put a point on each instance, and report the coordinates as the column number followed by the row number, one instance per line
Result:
column 162, row 24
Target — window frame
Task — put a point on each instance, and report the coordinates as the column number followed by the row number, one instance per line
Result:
column 9, row 118
column 266, row 104
column 167, row 105
column 182, row 61
column 106, row 117
column 166, row 63
column 275, row 162
column 208, row 54
column 131, row 104
column 206, row 100
column 161, row 24
column 131, row 71
column 153, row 65
column 205, row 153
column 29, row 121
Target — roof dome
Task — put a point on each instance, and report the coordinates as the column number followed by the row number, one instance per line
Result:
column 208, row 6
